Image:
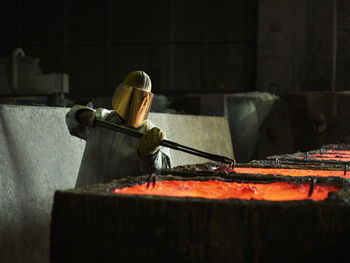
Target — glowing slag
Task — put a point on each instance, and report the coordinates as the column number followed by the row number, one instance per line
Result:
column 216, row 189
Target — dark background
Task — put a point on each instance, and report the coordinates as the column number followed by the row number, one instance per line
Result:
column 287, row 48
column 185, row 46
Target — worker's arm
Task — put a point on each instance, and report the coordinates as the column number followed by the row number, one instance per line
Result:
column 152, row 156
column 79, row 120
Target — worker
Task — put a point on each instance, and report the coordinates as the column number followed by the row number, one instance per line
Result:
column 111, row 155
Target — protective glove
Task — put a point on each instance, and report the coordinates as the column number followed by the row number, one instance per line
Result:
column 85, row 117
column 149, row 142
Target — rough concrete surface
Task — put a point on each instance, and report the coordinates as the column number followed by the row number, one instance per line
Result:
column 39, row 156
column 296, row 45
column 210, row 134
column 245, row 112
column 146, row 228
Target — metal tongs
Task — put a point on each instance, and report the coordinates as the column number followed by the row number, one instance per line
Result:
column 165, row 143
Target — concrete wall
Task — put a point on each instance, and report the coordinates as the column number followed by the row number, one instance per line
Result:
column 245, row 112
column 296, row 45
column 39, row 156
column 205, row 133
column 343, row 52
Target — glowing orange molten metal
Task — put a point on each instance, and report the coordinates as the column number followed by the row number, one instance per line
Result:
column 283, row 171
column 336, row 155
column 215, row 189
column 289, row 172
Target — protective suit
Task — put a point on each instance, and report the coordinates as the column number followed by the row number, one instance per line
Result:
column 111, row 155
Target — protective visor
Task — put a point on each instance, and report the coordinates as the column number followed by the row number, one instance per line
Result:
column 132, row 104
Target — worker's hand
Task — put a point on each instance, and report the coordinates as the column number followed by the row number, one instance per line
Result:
column 86, row 118
column 149, row 143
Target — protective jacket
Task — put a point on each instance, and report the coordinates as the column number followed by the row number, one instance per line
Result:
column 111, row 155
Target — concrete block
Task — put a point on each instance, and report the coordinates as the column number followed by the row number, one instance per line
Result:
column 205, row 133
column 39, row 156
column 245, row 113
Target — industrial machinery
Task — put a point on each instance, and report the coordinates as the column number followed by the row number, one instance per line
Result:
column 23, row 82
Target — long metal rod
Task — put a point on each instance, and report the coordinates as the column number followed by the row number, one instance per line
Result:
column 165, row 143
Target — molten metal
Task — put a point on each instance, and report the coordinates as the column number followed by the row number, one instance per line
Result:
column 336, row 155
column 285, row 172
column 215, row 189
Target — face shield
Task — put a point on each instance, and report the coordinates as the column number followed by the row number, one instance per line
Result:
column 132, row 104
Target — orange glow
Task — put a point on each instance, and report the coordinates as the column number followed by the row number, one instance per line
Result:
column 289, row 172
column 284, row 172
column 330, row 157
column 342, row 152
column 336, row 155
column 215, row 189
